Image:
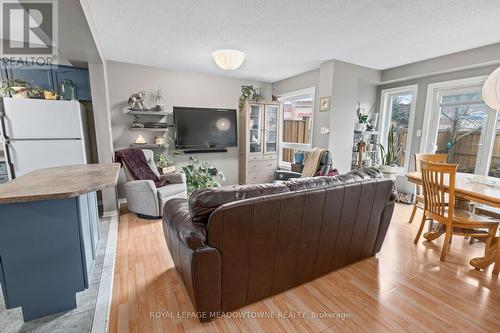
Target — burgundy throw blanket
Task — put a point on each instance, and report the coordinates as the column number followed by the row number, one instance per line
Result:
column 138, row 166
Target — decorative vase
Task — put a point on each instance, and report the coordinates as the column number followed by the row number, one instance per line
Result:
column 372, row 122
column 67, row 90
column 390, row 171
column 298, row 158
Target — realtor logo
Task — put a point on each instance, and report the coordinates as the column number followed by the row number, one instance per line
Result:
column 29, row 30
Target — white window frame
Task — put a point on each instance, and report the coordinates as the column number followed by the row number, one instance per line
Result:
column 386, row 115
column 435, row 91
column 290, row 145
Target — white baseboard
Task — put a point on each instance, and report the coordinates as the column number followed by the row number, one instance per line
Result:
column 110, row 213
column 102, row 309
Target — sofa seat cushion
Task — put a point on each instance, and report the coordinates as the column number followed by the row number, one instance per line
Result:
column 170, row 190
column 203, row 202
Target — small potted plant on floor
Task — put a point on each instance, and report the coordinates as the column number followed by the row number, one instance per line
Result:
column 390, row 156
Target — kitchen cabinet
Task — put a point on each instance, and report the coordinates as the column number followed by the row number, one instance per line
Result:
column 80, row 78
column 50, row 78
column 38, row 76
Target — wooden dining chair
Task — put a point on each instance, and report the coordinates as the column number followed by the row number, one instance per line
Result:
column 419, row 197
column 438, row 179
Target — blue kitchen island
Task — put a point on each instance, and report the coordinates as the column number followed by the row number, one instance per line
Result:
column 49, row 233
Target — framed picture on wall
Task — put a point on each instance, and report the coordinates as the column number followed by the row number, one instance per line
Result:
column 324, row 103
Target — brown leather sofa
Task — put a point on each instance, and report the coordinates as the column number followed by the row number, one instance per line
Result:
column 235, row 245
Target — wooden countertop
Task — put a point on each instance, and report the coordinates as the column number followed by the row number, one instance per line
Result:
column 59, row 182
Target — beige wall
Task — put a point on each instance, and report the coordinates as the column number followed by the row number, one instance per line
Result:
column 180, row 88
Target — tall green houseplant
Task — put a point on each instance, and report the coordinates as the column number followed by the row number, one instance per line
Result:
column 391, row 155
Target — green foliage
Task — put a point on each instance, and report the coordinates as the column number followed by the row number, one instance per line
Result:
column 7, row 88
column 249, row 93
column 390, row 157
column 201, row 174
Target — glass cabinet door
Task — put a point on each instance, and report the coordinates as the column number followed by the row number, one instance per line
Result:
column 271, row 128
column 255, row 128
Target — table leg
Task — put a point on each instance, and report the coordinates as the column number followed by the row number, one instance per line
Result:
column 496, row 268
column 492, row 254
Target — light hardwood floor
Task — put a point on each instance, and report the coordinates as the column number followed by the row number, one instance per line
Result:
column 403, row 288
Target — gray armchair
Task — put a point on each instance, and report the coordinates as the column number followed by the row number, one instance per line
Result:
column 323, row 165
column 144, row 198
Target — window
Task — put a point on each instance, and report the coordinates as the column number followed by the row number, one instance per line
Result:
column 494, row 170
column 459, row 124
column 296, row 127
column 462, row 117
column 398, row 108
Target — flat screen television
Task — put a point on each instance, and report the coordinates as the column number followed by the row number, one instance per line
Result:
column 204, row 128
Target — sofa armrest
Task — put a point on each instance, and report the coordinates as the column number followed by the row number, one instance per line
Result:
column 199, row 265
column 174, row 178
column 176, row 216
column 283, row 175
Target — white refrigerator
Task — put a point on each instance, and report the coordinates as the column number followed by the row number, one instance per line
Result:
column 40, row 134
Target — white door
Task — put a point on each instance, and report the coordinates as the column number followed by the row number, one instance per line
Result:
column 42, row 119
column 29, row 155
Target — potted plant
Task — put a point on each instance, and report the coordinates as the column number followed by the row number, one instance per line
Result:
column 390, row 155
column 201, row 174
column 298, row 156
column 157, row 98
column 249, row 93
column 362, row 119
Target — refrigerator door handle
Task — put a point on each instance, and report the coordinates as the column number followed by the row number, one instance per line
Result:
column 8, row 159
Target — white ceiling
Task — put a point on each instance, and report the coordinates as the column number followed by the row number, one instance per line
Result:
column 283, row 38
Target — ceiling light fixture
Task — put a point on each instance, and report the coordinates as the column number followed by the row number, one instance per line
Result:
column 491, row 90
column 229, row 60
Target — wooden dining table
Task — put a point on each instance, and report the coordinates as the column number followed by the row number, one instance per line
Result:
column 479, row 189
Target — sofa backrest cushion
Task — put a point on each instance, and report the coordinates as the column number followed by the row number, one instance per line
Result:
column 203, row 202
column 297, row 184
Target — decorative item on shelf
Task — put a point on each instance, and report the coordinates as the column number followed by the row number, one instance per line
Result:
column 156, row 124
column 201, row 174
column 325, row 103
column 369, row 147
column 371, row 123
column 362, row 119
column 140, row 139
column 157, row 98
column 249, row 93
column 390, row 156
column 137, row 123
column 136, row 101
column 298, row 156
column 361, row 151
column 159, row 140
column 67, row 90
column 50, row 94
column 19, row 89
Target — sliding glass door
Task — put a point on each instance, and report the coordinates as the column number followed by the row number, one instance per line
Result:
column 460, row 125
